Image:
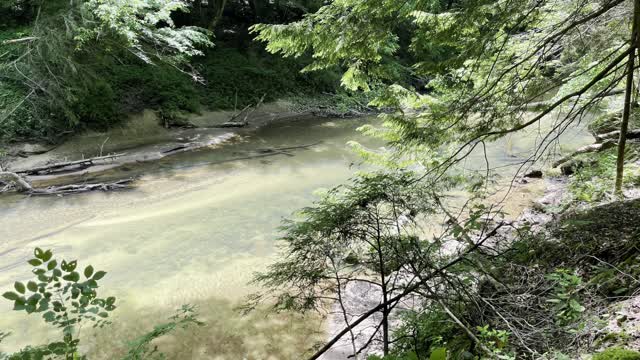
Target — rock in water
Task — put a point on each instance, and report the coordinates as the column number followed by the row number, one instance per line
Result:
column 534, row 174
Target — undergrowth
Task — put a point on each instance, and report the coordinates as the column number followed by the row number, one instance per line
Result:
column 596, row 173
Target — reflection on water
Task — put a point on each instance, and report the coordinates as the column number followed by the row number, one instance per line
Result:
column 189, row 233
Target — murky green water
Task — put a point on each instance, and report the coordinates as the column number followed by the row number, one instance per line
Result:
column 193, row 232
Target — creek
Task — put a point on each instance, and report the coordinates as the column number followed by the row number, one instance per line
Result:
column 194, row 230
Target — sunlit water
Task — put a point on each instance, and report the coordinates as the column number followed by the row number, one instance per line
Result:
column 193, row 230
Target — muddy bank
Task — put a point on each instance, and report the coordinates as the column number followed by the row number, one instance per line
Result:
column 142, row 138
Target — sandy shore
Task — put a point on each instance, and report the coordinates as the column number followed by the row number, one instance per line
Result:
column 141, row 138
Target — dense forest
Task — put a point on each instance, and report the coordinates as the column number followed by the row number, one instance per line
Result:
column 420, row 254
column 72, row 66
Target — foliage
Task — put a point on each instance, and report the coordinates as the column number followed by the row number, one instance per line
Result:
column 566, row 296
column 240, row 77
column 106, row 59
column 423, row 332
column 52, row 69
column 591, row 182
column 140, row 348
column 337, row 228
column 65, row 298
column 616, row 353
column 465, row 51
column 497, row 341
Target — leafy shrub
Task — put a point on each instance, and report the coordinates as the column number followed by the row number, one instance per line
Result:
column 565, row 297
column 67, row 298
column 497, row 341
column 64, row 297
column 594, row 181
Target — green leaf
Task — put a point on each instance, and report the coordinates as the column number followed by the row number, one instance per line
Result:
column 74, row 276
column 10, row 295
column 111, row 300
column 575, row 306
column 19, row 304
column 71, row 266
column 44, row 305
column 99, row 275
column 35, row 262
column 19, row 287
column 439, row 354
column 52, row 264
column 88, row 271
column 37, row 252
column 32, row 286
column 47, row 255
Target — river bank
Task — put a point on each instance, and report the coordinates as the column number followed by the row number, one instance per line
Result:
column 143, row 138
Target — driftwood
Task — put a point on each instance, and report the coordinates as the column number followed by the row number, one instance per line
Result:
column 80, row 188
column 65, row 166
column 231, row 124
column 631, row 134
column 16, row 181
column 240, row 113
column 247, row 111
column 586, row 149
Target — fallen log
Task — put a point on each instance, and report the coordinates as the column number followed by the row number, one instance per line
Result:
column 631, row 134
column 585, row 149
column 80, row 188
column 64, row 166
column 231, row 124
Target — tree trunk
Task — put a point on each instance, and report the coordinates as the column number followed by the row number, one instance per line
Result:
column 626, row 114
column 216, row 9
column 385, row 295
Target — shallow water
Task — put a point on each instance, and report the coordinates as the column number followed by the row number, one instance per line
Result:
column 193, row 231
